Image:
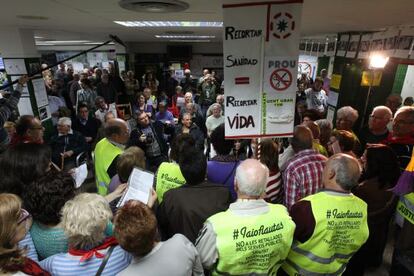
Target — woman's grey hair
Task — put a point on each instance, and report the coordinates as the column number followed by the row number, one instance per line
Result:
column 348, row 112
column 84, row 220
column 65, row 121
column 324, row 124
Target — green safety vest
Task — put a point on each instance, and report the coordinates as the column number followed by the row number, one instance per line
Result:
column 169, row 176
column 252, row 244
column 105, row 153
column 405, row 207
column 340, row 230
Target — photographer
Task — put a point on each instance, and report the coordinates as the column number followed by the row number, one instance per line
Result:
column 149, row 136
column 6, row 108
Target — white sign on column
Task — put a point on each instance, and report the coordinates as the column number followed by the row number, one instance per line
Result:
column 261, row 46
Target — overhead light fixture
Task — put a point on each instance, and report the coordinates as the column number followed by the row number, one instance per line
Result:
column 66, row 41
column 154, row 6
column 377, row 61
column 189, row 40
column 98, row 43
column 205, row 24
column 185, row 36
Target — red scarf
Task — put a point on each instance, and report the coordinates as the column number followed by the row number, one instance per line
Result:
column 406, row 140
column 29, row 267
column 88, row 254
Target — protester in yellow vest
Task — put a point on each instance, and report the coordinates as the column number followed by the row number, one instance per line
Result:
column 331, row 225
column 107, row 151
column 252, row 236
column 169, row 175
column 404, row 243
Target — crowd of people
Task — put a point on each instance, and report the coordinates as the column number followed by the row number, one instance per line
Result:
column 320, row 202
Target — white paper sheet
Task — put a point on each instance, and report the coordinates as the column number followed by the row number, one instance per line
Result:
column 139, row 187
column 40, row 92
column 15, row 66
column 80, row 175
column 25, row 106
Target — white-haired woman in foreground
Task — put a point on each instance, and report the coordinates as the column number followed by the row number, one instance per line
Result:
column 85, row 220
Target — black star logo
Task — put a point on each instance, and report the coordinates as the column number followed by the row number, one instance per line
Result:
column 282, row 25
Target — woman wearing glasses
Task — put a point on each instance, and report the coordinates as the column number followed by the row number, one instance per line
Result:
column 15, row 223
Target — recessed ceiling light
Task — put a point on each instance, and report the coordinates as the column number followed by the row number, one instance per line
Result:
column 185, row 36
column 189, row 40
column 32, row 17
column 212, row 24
column 155, row 6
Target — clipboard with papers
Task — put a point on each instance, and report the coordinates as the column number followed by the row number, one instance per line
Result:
column 139, row 187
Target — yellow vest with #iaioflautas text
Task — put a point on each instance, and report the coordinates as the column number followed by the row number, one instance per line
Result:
column 169, row 176
column 340, row 230
column 252, row 244
column 105, row 153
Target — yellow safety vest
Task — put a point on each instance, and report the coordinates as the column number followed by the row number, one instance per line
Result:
column 169, row 176
column 405, row 207
column 105, row 153
column 340, row 230
column 252, row 244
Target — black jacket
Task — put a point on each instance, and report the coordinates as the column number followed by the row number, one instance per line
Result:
column 158, row 129
column 185, row 209
column 195, row 132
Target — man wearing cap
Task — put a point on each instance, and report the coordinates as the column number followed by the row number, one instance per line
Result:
column 252, row 236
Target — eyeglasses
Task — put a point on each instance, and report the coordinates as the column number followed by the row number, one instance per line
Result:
column 24, row 215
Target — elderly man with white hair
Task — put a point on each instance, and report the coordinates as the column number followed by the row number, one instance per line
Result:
column 331, row 225
column 67, row 144
column 215, row 119
column 252, row 236
column 377, row 130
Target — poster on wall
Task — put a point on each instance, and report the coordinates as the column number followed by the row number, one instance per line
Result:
column 342, row 45
column 260, row 67
column 15, row 66
column 307, row 65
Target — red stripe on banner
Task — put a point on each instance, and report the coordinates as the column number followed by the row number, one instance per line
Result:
column 262, row 3
column 242, row 80
column 258, row 136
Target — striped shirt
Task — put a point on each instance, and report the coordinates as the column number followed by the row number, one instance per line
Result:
column 303, row 176
column 27, row 243
column 274, row 188
column 65, row 264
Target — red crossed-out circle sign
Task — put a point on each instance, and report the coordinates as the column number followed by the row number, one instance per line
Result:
column 281, row 79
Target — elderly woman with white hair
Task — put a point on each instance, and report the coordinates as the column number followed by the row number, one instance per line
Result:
column 85, row 220
column 345, row 119
column 66, row 145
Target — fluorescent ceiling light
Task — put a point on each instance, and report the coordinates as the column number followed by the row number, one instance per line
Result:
column 189, row 40
column 170, row 24
column 66, row 41
column 97, row 43
column 185, row 36
column 38, row 37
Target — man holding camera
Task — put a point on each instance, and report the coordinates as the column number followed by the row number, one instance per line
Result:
column 149, row 136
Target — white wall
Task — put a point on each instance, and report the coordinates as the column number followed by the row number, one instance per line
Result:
column 408, row 86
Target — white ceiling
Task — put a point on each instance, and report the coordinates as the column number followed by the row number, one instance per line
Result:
column 93, row 19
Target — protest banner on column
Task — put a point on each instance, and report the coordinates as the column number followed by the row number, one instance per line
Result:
column 261, row 47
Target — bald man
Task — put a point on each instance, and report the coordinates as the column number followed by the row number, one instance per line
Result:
column 377, row 130
column 107, row 151
column 303, row 174
column 331, row 225
column 252, row 236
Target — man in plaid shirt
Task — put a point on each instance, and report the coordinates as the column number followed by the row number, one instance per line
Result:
column 303, row 175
